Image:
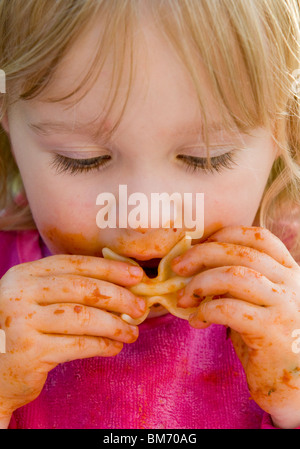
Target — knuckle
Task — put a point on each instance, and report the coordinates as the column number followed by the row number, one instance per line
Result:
column 80, row 343
column 263, row 232
column 14, row 285
column 9, row 280
column 83, row 314
column 237, row 270
column 80, row 283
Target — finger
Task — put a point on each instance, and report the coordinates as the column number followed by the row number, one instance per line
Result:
column 87, row 291
column 240, row 316
column 258, row 238
column 81, row 320
column 215, row 254
column 239, row 282
column 64, row 348
column 94, row 267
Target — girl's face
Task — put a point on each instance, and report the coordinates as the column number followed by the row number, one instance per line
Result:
column 161, row 122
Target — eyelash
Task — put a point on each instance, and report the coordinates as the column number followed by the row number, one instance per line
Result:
column 64, row 164
column 218, row 163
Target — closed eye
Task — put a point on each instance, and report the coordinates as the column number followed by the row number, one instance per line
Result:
column 63, row 164
column 218, row 163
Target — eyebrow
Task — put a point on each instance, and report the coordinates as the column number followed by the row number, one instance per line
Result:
column 47, row 128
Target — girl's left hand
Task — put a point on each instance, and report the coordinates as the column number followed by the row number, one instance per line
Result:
column 259, row 284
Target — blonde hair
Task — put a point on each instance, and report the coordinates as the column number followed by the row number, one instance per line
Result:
column 35, row 36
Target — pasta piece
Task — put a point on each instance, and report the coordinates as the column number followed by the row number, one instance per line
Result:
column 162, row 289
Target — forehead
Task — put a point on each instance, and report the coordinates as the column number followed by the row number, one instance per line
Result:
column 162, row 86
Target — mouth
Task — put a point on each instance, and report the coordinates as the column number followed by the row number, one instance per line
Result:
column 150, row 266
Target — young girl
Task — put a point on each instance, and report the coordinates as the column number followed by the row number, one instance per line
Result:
column 161, row 96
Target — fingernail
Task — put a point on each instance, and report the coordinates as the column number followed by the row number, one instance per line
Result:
column 176, row 260
column 192, row 316
column 198, row 293
column 180, row 293
column 135, row 271
column 191, row 301
column 133, row 334
column 141, row 305
column 195, row 321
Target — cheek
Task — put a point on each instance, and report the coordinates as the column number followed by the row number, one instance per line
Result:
column 61, row 241
column 234, row 202
column 67, row 224
column 235, row 196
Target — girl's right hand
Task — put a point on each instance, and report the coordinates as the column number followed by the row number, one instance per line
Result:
column 58, row 309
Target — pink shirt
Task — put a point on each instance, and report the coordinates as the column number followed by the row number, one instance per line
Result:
column 173, row 376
